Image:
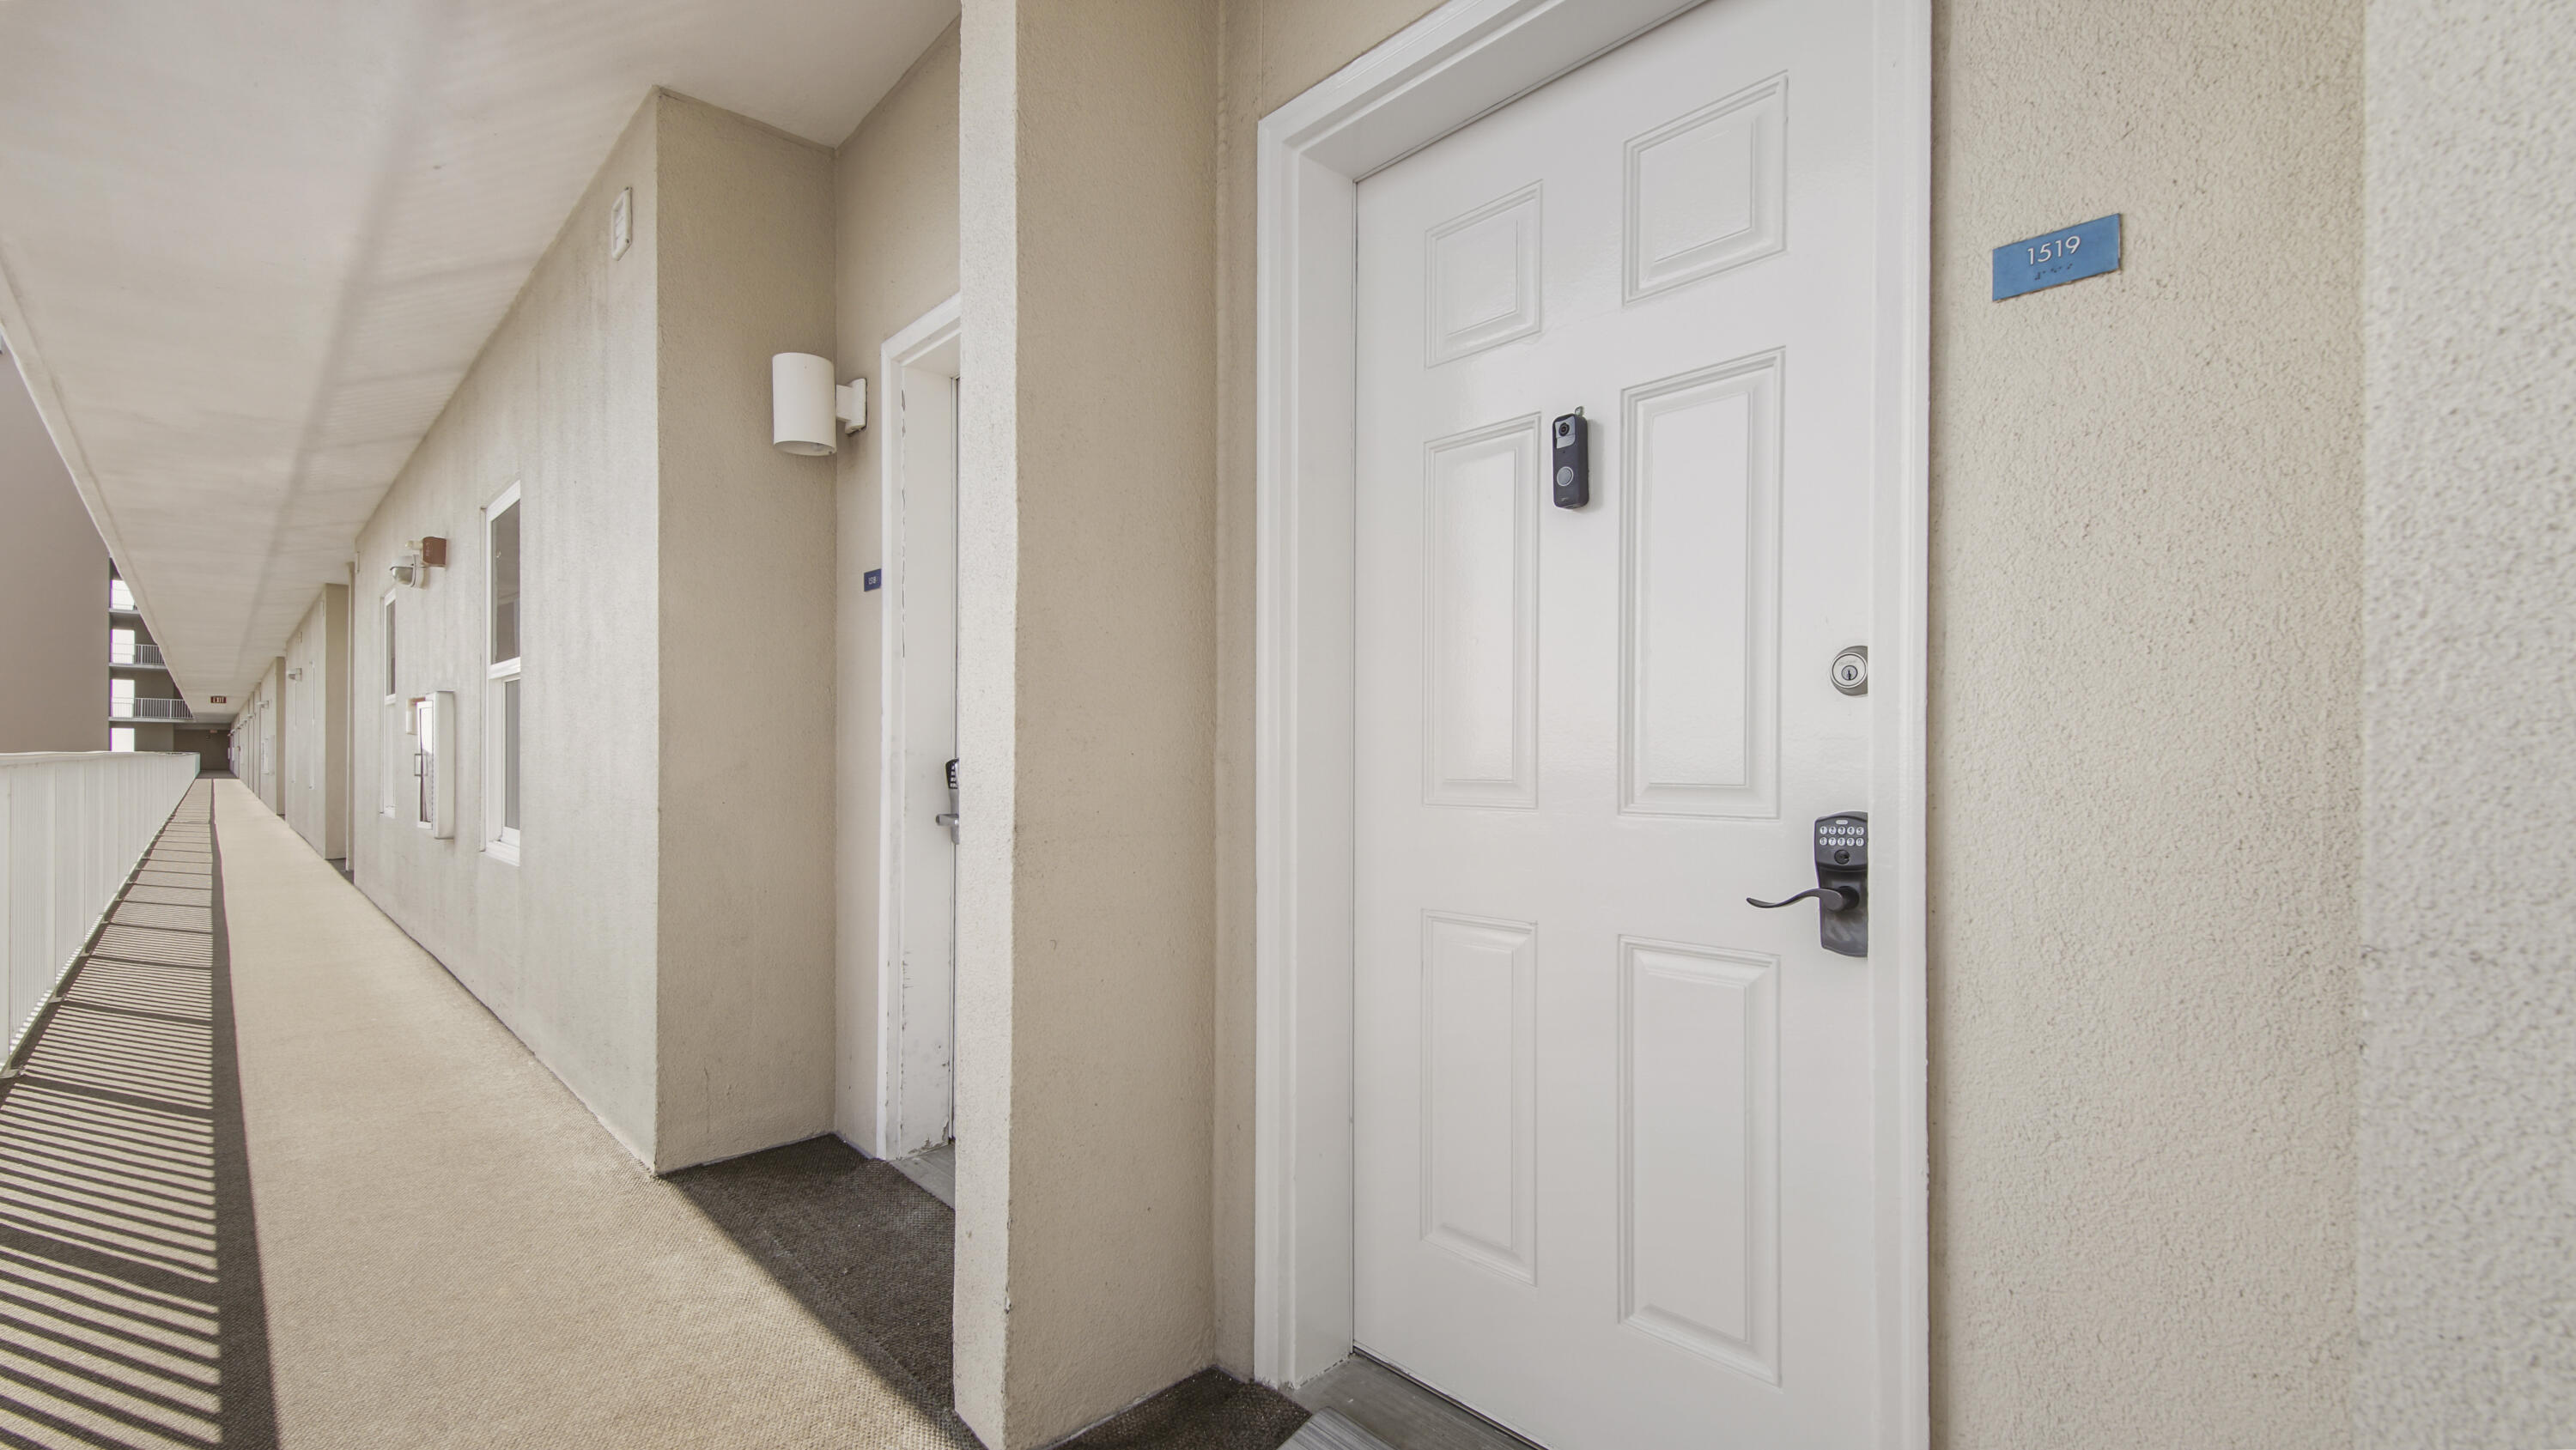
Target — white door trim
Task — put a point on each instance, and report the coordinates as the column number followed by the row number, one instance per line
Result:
column 916, row 1030
column 1463, row 60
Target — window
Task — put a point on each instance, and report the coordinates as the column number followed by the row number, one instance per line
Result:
column 120, row 737
column 120, row 698
column 395, row 728
column 120, row 646
column 501, row 530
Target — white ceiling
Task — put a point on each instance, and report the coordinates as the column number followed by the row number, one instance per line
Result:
column 248, row 249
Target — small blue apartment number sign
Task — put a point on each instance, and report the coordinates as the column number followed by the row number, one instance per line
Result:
column 2070, row 255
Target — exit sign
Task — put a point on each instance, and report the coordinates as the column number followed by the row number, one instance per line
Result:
column 2059, row 257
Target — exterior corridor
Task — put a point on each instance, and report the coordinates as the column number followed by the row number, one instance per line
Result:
column 451, row 1250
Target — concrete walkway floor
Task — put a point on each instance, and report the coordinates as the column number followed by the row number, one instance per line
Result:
column 270, row 1176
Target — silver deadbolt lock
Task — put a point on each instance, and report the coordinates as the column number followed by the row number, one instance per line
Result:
column 1851, row 670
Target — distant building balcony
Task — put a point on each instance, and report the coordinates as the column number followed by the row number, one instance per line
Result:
column 124, row 711
column 141, row 656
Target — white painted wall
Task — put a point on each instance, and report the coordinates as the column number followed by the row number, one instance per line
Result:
column 2467, row 1283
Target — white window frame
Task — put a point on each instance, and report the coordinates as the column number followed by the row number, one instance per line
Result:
column 501, row 842
column 394, row 721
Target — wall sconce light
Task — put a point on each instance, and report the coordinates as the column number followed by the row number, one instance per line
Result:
column 807, row 414
column 412, row 566
column 296, row 673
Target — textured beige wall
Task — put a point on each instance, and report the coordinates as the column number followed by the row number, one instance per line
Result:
column 316, row 725
column 562, row 400
column 988, row 554
column 1088, row 514
column 2145, row 657
column 2145, row 728
column 53, row 591
column 745, row 961
column 268, row 729
column 894, row 183
column 2468, row 1084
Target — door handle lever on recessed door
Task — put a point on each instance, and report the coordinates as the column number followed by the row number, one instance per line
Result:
column 949, row 817
column 1841, row 892
column 1833, row 900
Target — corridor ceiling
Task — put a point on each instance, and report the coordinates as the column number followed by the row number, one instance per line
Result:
column 247, row 250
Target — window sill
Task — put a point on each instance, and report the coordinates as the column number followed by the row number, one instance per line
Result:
column 502, row 851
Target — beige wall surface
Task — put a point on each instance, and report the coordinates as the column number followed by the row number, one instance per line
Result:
column 316, row 725
column 894, row 258
column 561, row 946
column 53, row 591
column 745, row 961
column 2468, row 1082
column 2145, row 728
column 1088, row 654
column 2145, row 654
column 268, row 733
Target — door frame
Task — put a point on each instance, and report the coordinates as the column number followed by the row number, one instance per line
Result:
column 1463, row 60
column 916, row 1023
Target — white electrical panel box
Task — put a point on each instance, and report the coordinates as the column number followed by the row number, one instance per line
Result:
column 434, row 757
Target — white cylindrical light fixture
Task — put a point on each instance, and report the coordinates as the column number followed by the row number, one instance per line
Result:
column 800, row 404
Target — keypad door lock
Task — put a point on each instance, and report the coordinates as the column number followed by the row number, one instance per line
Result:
column 1841, row 891
column 948, row 817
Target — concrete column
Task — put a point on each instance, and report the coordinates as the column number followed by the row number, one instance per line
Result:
column 1087, row 210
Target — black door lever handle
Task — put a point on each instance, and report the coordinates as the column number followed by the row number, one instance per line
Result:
column 1842, row 884
column 1825, row 896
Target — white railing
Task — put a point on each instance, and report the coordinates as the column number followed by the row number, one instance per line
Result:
column 71, row 829
column 134, row 654
column 128, row 707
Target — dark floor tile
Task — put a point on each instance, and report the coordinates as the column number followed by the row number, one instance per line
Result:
column 862, row 1247
column 1211, row 1410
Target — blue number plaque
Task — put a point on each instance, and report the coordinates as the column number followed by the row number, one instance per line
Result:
column 2069, row 255
column 872, row 579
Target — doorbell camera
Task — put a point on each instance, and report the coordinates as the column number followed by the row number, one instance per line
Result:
column 1571, row 453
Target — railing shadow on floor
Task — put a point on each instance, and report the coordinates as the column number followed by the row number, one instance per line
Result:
column 130, row 1311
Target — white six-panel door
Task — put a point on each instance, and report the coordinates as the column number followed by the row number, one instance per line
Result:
column 1615, row 1129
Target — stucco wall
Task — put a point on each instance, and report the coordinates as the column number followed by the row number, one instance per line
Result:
column 53, row 591
column 2468, row 1085
column 267, row 712
column 894, row 258
column 562, row 400
column 1087, row 633
column 316, row 725
column 747, row 591
column 2145, row 656
column 2145, row 728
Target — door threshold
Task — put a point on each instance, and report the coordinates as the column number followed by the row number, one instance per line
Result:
column 1364, row 1404
column 935, row 1169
